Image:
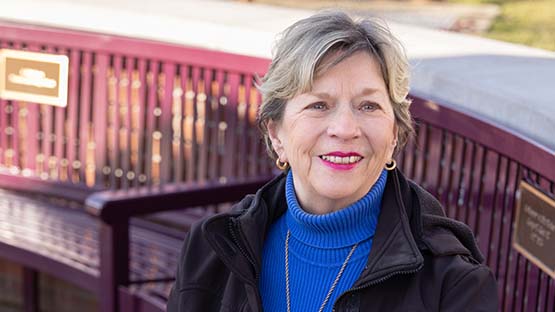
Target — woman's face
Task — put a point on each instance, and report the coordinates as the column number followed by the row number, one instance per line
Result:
column 338, row 136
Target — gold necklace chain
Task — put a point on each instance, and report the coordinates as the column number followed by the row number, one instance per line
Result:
column 332, row 286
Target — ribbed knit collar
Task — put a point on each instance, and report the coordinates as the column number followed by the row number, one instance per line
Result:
column 345, row 227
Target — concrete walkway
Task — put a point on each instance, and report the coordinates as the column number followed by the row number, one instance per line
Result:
column 470, row 18
column 509, row 84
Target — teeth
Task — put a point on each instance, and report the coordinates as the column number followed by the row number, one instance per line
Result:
column 341, row 160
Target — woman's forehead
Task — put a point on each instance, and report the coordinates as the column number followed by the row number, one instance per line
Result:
column 359, row 72
column 336, row 57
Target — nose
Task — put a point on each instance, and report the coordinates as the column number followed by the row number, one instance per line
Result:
column 343, row 124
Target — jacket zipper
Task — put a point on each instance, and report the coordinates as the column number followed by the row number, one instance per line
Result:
column 388, row 276
column 378, row 281
column 234, row 225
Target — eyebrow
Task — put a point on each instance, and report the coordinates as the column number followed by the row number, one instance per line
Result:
column 368, row 91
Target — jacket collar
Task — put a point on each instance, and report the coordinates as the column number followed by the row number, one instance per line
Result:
column 237, row 237
column 394, row 248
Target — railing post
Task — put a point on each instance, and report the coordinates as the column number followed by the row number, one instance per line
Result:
column 30, row 290
column 114, row 263
column 100, row 104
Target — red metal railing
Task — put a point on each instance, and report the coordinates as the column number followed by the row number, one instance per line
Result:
column 474, row 168
column 138, row 113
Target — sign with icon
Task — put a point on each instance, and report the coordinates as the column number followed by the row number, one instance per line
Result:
column 34, row 77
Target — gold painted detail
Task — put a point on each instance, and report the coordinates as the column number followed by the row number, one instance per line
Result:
column 111, row 124
column 253, row 105
column 9, row 155
column 135, row 123
column 177, row 118
column 215, row 89
column 24, row 139
column 242, row 100
column 53, row 167
column 40, row 161
column 64, row 163
column 90, row 167
column 76, row 171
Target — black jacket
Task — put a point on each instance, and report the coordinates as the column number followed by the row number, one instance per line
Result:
column 420, row 260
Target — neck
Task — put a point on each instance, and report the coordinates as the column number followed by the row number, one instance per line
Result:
column 347, row 225
column 321, row 205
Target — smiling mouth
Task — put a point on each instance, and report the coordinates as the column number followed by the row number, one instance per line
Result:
column 347, row 160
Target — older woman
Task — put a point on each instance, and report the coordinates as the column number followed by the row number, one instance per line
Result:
column 341, row 229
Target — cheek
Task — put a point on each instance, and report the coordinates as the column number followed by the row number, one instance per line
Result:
column 298, row 147
column 299, row 142
column 382, row 138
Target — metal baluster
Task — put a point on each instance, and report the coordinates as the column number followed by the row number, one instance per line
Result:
column 189, row 127
column 223, row 125
column 140, row 88
column 254, row 139
column 124, row 118
column 200, row 126
column 241, row 127
column 177, row 128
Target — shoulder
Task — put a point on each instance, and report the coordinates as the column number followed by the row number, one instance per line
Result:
column 198, row 260
column 440, row 234
column 456, row 283
column 452, row 254
column 202, row 273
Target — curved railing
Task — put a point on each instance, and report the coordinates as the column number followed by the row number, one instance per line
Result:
column 474, row 168
column 139, row 112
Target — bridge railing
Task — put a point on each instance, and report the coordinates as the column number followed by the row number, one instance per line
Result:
column 474, row 168
column 139, row 113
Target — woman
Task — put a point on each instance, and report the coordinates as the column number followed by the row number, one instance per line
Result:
column 341, row 229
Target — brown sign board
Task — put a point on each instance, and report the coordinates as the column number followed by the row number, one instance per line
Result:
column 34, row 77
column 534, row 233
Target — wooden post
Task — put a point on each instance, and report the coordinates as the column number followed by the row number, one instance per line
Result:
column 114, row 263
column 30, row 290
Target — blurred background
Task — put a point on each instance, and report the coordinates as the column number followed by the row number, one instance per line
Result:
column 528, row 22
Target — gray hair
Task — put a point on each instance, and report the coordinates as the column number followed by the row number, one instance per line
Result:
column 312, row 45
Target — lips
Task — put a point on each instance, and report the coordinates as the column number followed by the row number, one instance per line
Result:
column 342, row 158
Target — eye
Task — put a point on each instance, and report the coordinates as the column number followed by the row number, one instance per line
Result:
column 318, row 106
column 369, row 106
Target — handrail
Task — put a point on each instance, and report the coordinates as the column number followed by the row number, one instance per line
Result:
column 117, row 206
column 150, row 49
column 495, row 137
column 139, row 113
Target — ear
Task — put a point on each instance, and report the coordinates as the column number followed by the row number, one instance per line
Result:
column 395, row 139
column 273, row 128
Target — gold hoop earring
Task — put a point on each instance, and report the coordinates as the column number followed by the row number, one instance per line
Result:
column 281, row 165
column 391, row 165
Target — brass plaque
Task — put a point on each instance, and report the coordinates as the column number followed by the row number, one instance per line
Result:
column 34, row 77
column 534, row 234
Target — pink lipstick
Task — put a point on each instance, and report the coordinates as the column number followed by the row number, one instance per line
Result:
column 341, row 160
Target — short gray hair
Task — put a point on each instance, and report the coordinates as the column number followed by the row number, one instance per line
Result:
column 301, row 53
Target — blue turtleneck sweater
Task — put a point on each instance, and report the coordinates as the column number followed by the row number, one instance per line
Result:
column 318, row 247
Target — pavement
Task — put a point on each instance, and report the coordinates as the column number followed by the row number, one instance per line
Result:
column 460, row 17
column 511, row 85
